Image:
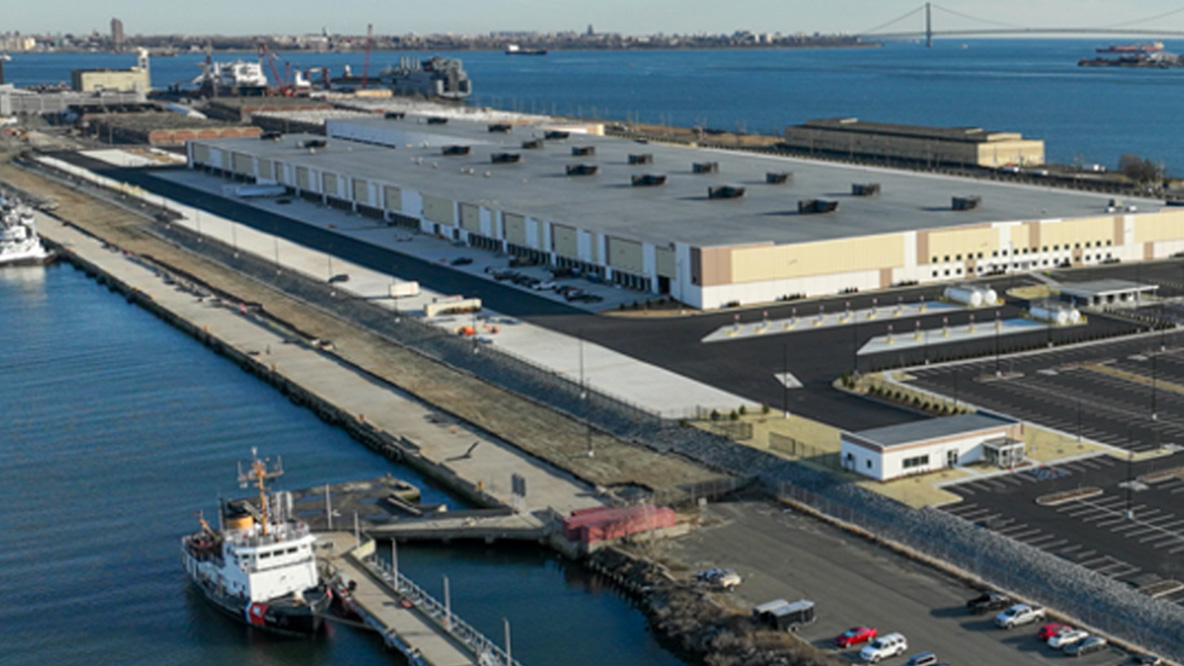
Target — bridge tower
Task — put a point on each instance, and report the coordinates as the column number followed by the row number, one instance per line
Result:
column 928, row 27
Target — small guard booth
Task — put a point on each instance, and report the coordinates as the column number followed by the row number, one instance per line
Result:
column 926, row 446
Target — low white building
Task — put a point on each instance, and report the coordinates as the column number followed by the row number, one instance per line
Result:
column 925, row 446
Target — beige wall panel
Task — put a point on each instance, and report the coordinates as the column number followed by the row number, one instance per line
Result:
column 965, row 241
column 470, row 218
column 302, row 180
column 201, row 153
column 329, row 184
column 515, row 228
column 565, row 241
column 625, row 255
column 665, row 264
column 838, row 256
column 393, row 197
column 885, row 278
column 1119, row 231
column 266, row 169
column 715, row 265
column 438, row 209
column 1034, row 233
column 1071, row 232
column 361, row 191
column 1021, row 236
column 243, row 163
column 1163, row 226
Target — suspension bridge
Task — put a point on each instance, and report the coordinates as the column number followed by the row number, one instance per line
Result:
column 989, row 27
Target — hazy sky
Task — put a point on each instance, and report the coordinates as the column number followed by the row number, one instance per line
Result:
column 233, row 17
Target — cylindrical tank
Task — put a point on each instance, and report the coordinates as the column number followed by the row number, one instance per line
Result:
column 965, row 296
column 989, row 296
column 1055, row 314
column 1074, row 316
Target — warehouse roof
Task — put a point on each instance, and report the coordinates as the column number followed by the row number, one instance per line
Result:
column 961, row 134
column 921, row 431
column 680, row 210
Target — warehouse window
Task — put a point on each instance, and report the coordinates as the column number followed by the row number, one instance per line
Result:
column 1045, row 248
column 934, row 260
column 994, row 253
column 934, row 273
column 1087, row 243
column 958, row 258
column 1108, row 243
column 947, row 257
column 947, row 271
column 869, row 463
column 918, row 461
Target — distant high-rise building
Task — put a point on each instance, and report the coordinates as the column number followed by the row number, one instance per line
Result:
column 117, row 34
column 590, row 30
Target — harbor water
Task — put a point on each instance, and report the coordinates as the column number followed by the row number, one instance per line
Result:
column 118, row 429
column 1085, row 115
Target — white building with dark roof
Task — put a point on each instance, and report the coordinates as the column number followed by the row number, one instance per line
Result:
column 926, row 446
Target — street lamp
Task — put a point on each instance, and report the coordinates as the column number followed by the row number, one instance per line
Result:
column 997, row 326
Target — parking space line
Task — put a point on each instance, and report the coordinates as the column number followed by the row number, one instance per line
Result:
column 1096, row 560
column 1020, row 536
column 1050, row 546
column 1037, row 541
column 1127, row 526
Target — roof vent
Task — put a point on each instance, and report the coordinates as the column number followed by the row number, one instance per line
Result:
column 532, row 144
column 455, row 150
column 271, row 136
column 505, row 158
column 648, row 180
column 394, row 115
column 725, row 192
column 642, row 158
column 502, row 128
column 812, row 206
column 705, row 167
column 779, row 177
column 556, row 135
column 582, row 169
column 313, row 143
column 967, row 203
column 865, row 189
column 436, row 120
column 583, row 151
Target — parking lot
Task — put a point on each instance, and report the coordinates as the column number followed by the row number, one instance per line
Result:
column 1128, row 394
column 1140, row 548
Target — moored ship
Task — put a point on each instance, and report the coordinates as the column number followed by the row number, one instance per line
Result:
column 1144, row 47
column 514, row 49
column 259, row 566
column 19, row 243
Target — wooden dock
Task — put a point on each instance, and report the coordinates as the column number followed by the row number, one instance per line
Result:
column 409, row 620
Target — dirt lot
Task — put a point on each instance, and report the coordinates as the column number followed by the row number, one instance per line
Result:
column 533, row 428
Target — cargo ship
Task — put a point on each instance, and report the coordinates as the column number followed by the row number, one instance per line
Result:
column 19, row 243
column 1143, row 47
column 514, row 49
column 259, row 566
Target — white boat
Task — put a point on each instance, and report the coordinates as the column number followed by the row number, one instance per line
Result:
column 259, row 566
column 19, row 243
column 233, row 77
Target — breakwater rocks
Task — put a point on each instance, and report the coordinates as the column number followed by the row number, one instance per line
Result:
column 691, row 623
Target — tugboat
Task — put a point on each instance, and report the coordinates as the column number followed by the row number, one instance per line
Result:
column 19, row 243
column 259, row 566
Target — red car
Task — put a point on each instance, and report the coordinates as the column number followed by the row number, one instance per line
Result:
column 855, row 636
column 1052, row 629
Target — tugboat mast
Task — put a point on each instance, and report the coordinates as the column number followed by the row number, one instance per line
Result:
column 256, row 475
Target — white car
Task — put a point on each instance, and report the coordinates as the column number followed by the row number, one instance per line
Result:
column 1063, row 638
column 544, row 285
column 888, row 645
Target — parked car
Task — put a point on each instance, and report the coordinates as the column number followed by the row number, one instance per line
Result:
column 461, row 261
column 987, row 602
column 1017, row 615
column 543, row 286
column 340, row 277
column 923, row 659
column 1087, row 646
column 1066, row 637
column 888, row 645
column 855, row 636
column 1051, row 629
column 1146, row 660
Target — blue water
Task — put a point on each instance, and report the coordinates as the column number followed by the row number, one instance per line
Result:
column 117, row 429
column 1085, row 115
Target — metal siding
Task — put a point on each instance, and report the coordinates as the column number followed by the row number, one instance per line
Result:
column 201, row 153
column 302, row 178
column 266, row 169
column 470, row 218
column 625, row 255
column 664, row 258
column 515, row 229
column 243, row 164
column 773, row 262
column 361, row 191
column 329, row 184
column 436, row 209
column 393, row 197
column 565, row 241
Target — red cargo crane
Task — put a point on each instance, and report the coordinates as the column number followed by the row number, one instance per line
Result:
column 366, row 62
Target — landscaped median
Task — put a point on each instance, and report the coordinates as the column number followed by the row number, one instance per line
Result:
column 1066, row 496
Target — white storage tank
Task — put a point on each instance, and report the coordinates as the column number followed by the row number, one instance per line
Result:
column 971, row 296
column 990, row 297
column 1057, row 314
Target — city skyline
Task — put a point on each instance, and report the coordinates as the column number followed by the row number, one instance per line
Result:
column 350, row 17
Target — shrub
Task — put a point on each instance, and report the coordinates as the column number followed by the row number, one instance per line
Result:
column 743, row 410
column 734, row 415
column 765, row 408
column 715, row 415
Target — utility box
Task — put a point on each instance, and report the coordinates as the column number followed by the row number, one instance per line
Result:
column 785, row 616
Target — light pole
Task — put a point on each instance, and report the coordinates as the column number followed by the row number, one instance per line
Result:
column 785, row 379
column 997, row 326
column 509, row 654
column 1154, row 383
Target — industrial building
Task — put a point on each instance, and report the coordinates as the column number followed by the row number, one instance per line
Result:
column 162, row 128
column 959, row 146
column 925, row 446
column 136, row 79
column 710, row 228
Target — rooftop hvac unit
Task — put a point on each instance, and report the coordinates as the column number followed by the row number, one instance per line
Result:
column 505, row 158
column 436, row 120
column 314, row 143
column 532, row 144
column 502, row 128
column 556, row 135
column 643, row 158
column 812, row 206
column 583, row 151
column 271, row 136
column 455, row 150
column 648, row 180
column 779, row 177
column 705, row 167
column 582, row 169
column 725, row 192
column 865, row 189
column 967, row 203
column 394, row 115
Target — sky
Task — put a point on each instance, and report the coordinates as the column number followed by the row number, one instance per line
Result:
column 631, row 17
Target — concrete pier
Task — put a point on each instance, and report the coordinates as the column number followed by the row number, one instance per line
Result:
column 490, row 527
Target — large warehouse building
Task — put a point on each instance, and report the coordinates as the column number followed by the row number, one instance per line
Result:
column 710, row 228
